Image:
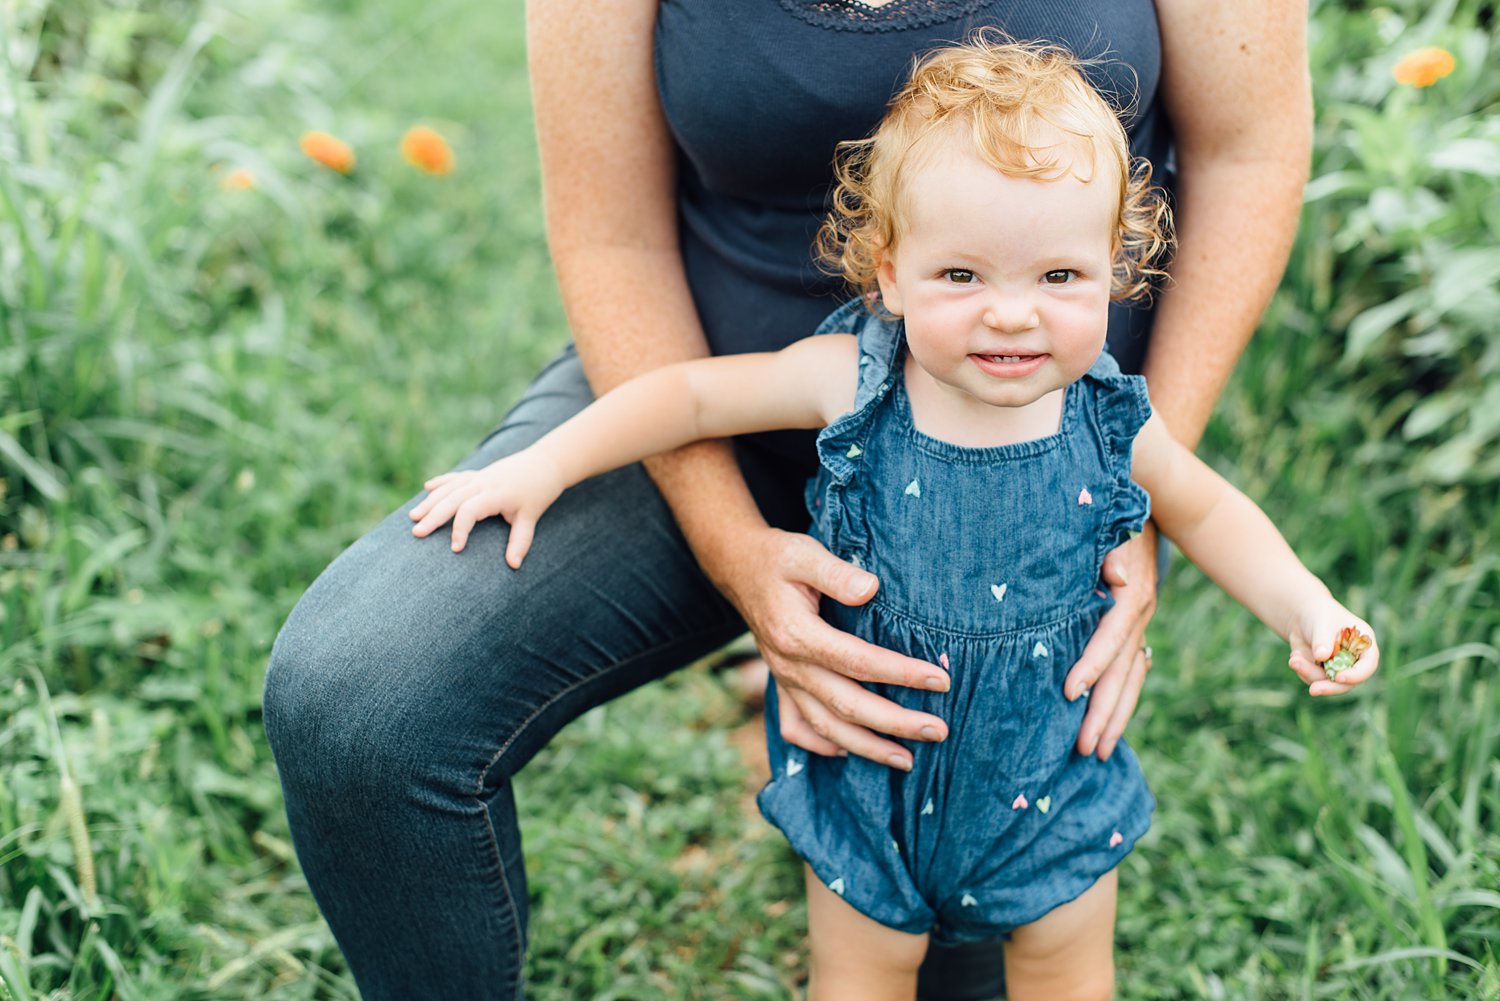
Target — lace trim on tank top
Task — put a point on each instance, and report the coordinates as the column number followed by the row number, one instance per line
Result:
column 898, row 15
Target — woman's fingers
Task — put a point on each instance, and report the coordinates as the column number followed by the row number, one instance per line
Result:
column 833, row 721
column 1129, row 696
column 796, row 730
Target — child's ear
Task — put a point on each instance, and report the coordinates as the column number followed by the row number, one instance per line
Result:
column 885, row 276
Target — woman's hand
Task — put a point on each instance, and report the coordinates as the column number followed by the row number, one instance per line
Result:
column 1315, row 638
column 775, row 582
column 519, row 488
column 1114, row 663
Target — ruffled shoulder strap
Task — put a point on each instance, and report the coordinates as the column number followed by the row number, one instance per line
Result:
column 879, row 338
column 1121, row 405
column 1120, row 408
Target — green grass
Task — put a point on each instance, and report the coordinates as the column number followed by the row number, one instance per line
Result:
column 206, row 394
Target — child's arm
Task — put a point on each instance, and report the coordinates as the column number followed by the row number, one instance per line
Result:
column 805, row 385
column 1231, row 539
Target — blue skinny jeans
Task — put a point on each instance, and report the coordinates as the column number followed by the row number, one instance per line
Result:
column 409, row 685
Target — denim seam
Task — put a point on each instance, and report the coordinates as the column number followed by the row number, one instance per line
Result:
column 1080, row 613
column 484, row 772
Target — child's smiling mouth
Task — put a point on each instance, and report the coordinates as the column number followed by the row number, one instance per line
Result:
column 1009, row 366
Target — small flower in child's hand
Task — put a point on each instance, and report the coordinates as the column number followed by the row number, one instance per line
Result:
column 1351, row 643
column 333, row 153
column 424, row 149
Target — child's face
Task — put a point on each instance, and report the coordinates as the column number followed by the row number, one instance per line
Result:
column 1003, row 281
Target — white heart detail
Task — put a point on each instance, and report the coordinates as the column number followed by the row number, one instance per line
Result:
column 913, row 489
column 837, row 886
column 1039, row 650
column 854, row 452
column 927, row 809
column 998, row 590
column 968, row 900
column 1044, row 804
column 793, row 767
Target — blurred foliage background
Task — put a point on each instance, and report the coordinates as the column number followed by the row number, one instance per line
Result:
column 221, row 360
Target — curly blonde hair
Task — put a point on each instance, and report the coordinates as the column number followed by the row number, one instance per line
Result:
column 1011, row 99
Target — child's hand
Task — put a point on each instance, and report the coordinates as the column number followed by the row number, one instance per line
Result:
column 518, row 487
column 1320, row 633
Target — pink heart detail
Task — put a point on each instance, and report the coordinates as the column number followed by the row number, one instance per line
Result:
column 1084, row 497
column 1116, row 838
column 1020, row 803
column 943, row 659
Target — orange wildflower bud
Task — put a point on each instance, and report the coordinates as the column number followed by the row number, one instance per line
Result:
column 426, row 150
column 335, row 154
column 237, row 179
column 1424, row 67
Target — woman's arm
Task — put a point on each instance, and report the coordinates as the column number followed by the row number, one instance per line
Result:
column 608, row 184
column 1236, row 89
column 1229, row 538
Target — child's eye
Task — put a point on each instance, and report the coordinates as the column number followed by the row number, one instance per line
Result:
column 1059, row 277
column 959, row 276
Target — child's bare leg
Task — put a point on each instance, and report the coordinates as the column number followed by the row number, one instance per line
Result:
column 854, row 957
column 1069, row 954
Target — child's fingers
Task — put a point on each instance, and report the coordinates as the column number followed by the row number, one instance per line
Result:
column 1305, row 667
column 446, row 504
column 434, row 498
column 521, row 532
column 464, row 520
column 439, row 480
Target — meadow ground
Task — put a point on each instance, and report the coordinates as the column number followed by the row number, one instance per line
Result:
column 221, row 361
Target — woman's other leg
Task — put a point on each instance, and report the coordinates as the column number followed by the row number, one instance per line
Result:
column 1067, row 955
column 853, row 956
column 411, row 683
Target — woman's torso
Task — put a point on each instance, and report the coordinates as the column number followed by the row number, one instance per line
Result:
column 758, row 93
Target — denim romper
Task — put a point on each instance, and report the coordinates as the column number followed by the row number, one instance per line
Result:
column 989, row 562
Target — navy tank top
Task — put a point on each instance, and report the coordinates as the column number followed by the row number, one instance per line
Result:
column 757, row 93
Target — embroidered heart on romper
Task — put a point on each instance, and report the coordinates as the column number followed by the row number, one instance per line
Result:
column 793, row 767
column 1116, row 839
column 1084, row 497
column 1039, row 650
column 968, row 900
column 913, row 489
column 998, row 590
column 837, row 886
column 1044, row 804
column 943, row 660
column 1020, row 802
column 854, row 452
column 927, row 809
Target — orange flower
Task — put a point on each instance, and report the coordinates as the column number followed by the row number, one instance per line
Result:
column 332, row 153
column 237, row 179
column 1424, row 67
column 426, row 150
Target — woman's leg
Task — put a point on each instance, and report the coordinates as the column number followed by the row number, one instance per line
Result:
column 1067, row 955
column 411, row 683
column 855, row 957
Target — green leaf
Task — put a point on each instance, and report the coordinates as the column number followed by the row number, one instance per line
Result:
column 1369, row 325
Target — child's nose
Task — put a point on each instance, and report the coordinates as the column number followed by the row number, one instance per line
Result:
column 1010, row 311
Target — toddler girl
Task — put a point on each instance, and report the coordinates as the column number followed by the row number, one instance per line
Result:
column 980, row 453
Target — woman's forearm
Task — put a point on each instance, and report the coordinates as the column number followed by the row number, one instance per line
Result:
column 1236, row 87
column 1237, row 221
column 608, row 186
